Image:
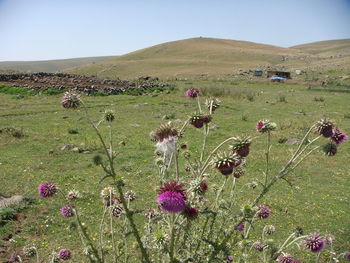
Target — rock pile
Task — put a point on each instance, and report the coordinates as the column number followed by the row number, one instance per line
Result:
column 79, row 83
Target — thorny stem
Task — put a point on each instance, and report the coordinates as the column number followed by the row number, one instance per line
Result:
column 199, row 104
column 101, row 234
column 111, row 227
column 172, row 236
column 267, row 157
column 86, row 236
column 206, row 132
column 177, row 166
column 220, row 191
column 128, row 213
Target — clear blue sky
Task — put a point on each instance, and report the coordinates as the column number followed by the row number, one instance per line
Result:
column 54, row 29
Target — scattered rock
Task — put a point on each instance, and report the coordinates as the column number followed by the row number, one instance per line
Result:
column 135, row 125
column 65, row 117
column 122, row 143
column 86, row 152
column 76, row 149
column 214, row 127
column 14, row 200
column 293, row 141
column 67, row 147
column 140, row 105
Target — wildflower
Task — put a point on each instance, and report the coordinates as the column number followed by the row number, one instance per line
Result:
column 330, row 149
column 229, row 258
column 203, row 186
column 67, row 211
column 238, row 172
column 241, row 146
column 109, row 115
column 191, row 212
column 47, row 189
column 192, row 93
column 269, row 230
column 225, row 162
column 347, row 256
column 150, row 213
column 73, row 194
column 264, row 211
column 29, row 251
column 258, row 246
column 64, row 254
column 116, row 210
column 70, row 100
column 130, row 195
column 240, row 227
column 265, row 126
column 108, row 193
column 212, row 103
column 172, row 202
column 325, row 128
column 173, row 187
column 314, row 242
column 14, row 257
column 198, row 120
column 286, row 258
column 164, row 132
column 338, row 136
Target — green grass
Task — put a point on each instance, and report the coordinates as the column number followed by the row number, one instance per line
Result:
column 318, row 201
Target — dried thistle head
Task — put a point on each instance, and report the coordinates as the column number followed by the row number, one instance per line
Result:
column 226, row 161
column 324, row 127
column 109, row 115
column 163, row 132
column 212, row 103
column 241, row 145
column 198, row 120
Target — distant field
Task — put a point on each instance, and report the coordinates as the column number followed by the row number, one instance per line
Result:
column 49, row 65
column 318, row 201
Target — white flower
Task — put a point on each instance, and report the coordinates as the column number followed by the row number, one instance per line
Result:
column 168, row 145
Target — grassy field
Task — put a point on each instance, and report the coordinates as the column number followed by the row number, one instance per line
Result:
column 318, row 200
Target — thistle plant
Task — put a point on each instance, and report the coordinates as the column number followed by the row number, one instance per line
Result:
column 191, row 220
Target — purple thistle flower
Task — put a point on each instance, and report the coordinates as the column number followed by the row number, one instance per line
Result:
column 240, row 227
column 338, row 136
column 258, row 246
column 192, row 93
column 263, row 212
column 315, row 243
column 47, row 189
column 171, row 202
column 286, row 258
column 67, row 211
column 14, row 257
column 191, row 212
column 229, row 258
column 64, row 254
column 347, row 256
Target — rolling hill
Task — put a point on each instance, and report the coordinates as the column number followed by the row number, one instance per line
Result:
column 189, row 57
column 49, row 65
